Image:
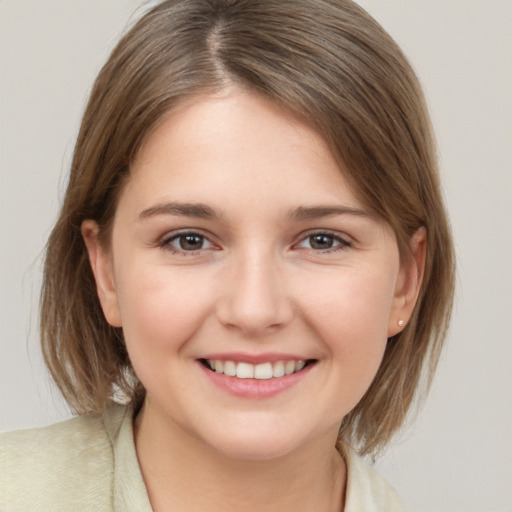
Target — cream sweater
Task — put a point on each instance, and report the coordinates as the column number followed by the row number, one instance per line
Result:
column 89, row 463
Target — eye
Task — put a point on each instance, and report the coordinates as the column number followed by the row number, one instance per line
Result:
column 323, row 242
column 187, row 242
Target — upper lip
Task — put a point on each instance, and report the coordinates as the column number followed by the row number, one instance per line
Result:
column 238, row 357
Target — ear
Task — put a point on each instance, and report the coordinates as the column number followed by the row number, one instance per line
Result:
column 102, row 268
column 408, row 283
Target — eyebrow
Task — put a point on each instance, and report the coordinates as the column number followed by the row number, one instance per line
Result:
column 204, row 211
column 318, row 212
column 182, row 209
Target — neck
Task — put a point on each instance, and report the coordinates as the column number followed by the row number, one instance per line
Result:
column 183, row 473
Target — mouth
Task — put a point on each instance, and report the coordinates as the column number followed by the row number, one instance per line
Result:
column 263, row 371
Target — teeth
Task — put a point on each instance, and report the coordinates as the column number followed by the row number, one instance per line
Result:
column 289, row 367
column 262, row 371
column 245, row 371
column 229, row 368
column 278, row 370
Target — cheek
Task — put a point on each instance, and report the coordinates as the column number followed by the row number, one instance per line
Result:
column 345, row 302
column 350, row 315
column 160, row 310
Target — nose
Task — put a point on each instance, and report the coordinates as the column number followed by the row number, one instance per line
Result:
column 254, row 298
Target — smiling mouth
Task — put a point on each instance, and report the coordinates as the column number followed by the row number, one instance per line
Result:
column 263, row 371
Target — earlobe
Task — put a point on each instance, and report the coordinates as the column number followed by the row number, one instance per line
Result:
column 101, row 265
column 408, row 283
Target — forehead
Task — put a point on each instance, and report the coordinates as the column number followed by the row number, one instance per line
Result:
column 239, row 141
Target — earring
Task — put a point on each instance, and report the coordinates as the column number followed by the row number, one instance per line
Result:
column 400, row 323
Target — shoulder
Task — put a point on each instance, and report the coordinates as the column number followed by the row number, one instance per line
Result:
column 65, row 466
column 367, row 490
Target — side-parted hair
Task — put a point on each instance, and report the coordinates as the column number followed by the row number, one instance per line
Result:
column 329, row 63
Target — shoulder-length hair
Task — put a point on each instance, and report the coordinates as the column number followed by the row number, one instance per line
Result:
column 326, row 61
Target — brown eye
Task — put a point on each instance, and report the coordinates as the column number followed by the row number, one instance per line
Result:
column 190, row 242
column 187, row 242
column 326, row 242
column 320, row 242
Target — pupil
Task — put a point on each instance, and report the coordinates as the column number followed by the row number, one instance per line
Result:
column 321, row 242
column 191, row 242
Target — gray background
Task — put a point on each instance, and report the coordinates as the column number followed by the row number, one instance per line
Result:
column 458, row 454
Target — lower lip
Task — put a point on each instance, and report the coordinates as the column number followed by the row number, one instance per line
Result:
column 255, row 388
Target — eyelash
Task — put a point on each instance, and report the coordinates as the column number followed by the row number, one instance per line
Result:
column 166, row 244
column 342, row 243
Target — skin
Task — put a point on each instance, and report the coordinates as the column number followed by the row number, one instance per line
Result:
column 257, row 282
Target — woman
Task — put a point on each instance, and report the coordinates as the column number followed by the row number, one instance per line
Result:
column 252, row 258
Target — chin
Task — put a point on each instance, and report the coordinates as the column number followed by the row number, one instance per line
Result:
column 256, row 441
column 251, row 449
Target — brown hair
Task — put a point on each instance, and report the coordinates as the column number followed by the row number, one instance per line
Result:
column 328, row 62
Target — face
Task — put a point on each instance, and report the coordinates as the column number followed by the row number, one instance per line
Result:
column 255, row 292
